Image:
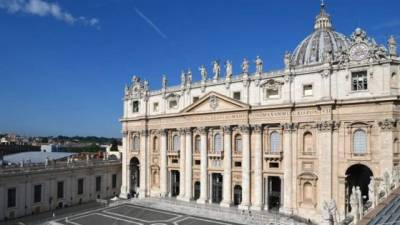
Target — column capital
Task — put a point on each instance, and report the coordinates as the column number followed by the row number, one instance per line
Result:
column 257, row 128
column 163, row 132
column 245, row 129
column 289, row 127
column 155, row 132
column 202, row 130
column 182, row 131
column 328, row 125
column 188, row 131
column 143, row 132
column 227, row 129
column 387, row 124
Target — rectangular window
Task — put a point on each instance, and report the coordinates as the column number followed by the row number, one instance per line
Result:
column 135, row 106
column 98, row 183
column 272, row 93
column 238, row 164
column 114, row 181
column 236, row 95
column 359, row 81
column 197, row 162
column 273, row 165
column 60, row 189
column 195, row 99
column 11, row 197
column 155, row 107
column 80, row 186
column 173, row 104
column 307, row 90
column 37, row 193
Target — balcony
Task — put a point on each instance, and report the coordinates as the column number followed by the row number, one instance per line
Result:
column 173, row 154
column 216, row 154
column 273, row 156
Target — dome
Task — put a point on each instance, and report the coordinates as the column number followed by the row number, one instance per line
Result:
column 324, row 40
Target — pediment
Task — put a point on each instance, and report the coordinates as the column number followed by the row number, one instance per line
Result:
column 213, row 102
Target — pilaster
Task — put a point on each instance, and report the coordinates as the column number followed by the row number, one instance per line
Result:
column 203, row 166
column 188, row 165
column 258, row 176
column 245, row 129
column 163, row 164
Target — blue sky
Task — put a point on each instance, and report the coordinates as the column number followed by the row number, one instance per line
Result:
column 64, row 64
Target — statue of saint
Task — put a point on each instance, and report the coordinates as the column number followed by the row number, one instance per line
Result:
column 392, row 45
column 164, row 81
column 203, row 73
column 189, row 76
column 146, row 85
column 216, row 70
column 245, row 66
column 183, row 78
column 371, row 191
column 287, row 60
column 259, row 65
column 229, row 70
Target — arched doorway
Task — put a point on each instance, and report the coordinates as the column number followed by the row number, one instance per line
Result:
column 196, row 190
column 134, row 169
column 237, row 195
column 216, row 188
column 357, row 176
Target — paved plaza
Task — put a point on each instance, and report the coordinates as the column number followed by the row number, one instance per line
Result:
column 131, row 214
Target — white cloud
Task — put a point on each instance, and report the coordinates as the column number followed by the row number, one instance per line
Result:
column 43, row 8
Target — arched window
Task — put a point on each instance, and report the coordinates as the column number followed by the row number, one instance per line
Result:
column 136, row 143
column 155, row 144
column 197, row 142
column 238, row 143
column 217, row 143
column 275, row 139
column 308, row 144
column 176, row 143
column 359, row 142
column 308, row 193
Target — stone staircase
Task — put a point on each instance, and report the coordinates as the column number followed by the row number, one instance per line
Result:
column 214, row 211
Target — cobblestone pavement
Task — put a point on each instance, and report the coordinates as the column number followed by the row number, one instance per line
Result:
column 154, row 211
column 132, row 214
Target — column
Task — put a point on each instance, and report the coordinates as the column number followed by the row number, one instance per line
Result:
column 287, row 165
column 245, row 168
column 163, row 165
column 227, row 179
column 203, row 166
column 325, row 156
column 182, row 164
column 386, row 151
column 258, row 174
column 143, row 164
column 125, row 167
column 188, row 165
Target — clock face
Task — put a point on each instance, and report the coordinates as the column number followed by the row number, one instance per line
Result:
column 359, row 52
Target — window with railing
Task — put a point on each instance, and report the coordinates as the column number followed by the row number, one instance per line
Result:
column 136, row 143
column 217, row 143
column 359, row 142
column 197, row 142
column 238, row 144
column 176, row 143
column 275, row 143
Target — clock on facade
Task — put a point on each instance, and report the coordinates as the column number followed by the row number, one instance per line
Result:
column 359, row 52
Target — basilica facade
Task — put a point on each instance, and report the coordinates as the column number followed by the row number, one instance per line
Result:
column 291, row 139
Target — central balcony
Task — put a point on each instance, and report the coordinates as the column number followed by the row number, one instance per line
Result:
column 273, row 156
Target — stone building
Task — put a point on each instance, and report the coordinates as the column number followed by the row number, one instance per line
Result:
column 33, row 189
column 291, row 139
